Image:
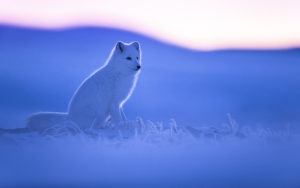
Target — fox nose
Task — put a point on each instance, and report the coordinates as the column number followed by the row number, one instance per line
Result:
column 138, row 67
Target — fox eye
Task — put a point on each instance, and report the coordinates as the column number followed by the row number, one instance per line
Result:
column 128, row 58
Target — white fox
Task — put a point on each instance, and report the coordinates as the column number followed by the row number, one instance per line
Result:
column 101, row 96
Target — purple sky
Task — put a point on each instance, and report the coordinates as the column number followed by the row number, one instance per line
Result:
column 196, row 24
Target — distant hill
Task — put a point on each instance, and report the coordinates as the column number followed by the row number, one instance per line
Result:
column 40, row 70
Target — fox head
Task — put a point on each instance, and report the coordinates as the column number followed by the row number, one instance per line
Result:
column 127, row 57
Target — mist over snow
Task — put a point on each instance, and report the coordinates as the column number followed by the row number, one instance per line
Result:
column 41, row 69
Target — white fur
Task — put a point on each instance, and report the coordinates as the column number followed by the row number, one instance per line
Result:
column 101, row 96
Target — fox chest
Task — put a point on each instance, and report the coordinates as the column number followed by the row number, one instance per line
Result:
column 122, row 88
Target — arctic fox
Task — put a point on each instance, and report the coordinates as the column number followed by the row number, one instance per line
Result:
column 101, row 95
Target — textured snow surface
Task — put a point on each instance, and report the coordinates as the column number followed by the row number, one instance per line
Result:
column 148, row 154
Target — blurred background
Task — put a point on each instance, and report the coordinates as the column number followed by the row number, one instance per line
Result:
column 201, row 59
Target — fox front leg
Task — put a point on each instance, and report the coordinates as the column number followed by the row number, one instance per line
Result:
column 116, row 116
column 122, row 114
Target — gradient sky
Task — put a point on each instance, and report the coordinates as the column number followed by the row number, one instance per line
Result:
column 195, row 24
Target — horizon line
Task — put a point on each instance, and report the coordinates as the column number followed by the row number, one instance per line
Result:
column 78, row 26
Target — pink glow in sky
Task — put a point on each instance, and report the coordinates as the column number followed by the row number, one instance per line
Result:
column 196, row 24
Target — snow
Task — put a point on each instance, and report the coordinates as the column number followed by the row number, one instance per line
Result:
column 148, row 154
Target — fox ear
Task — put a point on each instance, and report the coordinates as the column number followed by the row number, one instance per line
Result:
column 136, row 45
column 120, row 46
